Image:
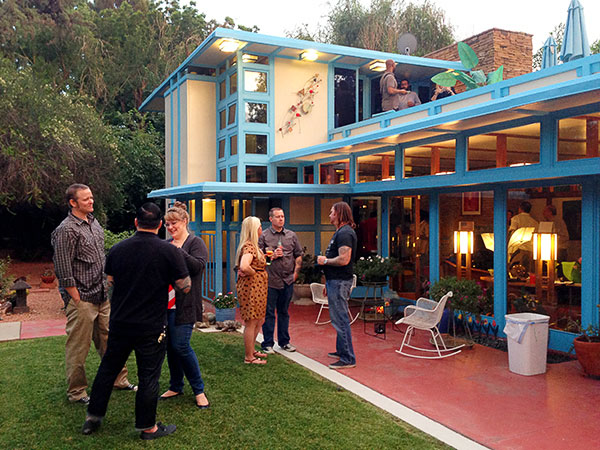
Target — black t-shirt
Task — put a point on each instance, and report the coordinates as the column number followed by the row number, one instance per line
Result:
column 343, row 237
column 143, row 267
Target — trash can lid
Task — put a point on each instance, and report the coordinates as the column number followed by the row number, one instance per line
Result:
column 526, row 317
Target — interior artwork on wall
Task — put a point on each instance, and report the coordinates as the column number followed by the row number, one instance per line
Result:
column 303, row 106
column 471, row 203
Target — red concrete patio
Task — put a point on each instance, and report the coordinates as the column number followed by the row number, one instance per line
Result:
column 472, row 393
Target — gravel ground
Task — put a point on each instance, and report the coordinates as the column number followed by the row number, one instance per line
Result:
column 43, row 300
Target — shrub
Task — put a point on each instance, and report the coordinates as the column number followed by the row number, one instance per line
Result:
column 111, row 238
column 309, row 271
column 375, row 268
column 468, row 296
column 6, row 280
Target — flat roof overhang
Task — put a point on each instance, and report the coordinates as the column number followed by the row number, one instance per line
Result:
column 538, row 102
column 210, row 189
column 208, row 54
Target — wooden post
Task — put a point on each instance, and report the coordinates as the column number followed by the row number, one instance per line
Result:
column 435, row 160
column 501, row 158
column 591, row 138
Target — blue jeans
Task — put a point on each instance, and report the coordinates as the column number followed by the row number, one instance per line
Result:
column 338, row 294
column 181, row 357
column 277, row 299
column 149, row 355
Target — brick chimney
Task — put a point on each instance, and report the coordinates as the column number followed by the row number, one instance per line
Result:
column 494, row 48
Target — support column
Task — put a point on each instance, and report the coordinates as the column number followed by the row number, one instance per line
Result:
column 590, row 263
column 219, row 243
column 434, row 237
column 500, row 255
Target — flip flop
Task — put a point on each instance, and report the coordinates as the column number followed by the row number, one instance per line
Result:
column 258, row 354
column 254, row 361
column 170, row 396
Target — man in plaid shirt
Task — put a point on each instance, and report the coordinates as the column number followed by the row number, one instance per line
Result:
column 79, row 264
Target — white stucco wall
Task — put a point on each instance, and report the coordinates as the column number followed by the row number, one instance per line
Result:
column 311, row 129
column 200, row 133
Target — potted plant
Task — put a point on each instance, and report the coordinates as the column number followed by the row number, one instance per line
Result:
column 309, row 273
column 225, row 305
column 587, row 347
column 48, row 276
column 375, row 269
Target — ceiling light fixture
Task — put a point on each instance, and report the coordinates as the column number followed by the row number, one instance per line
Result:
column 229, row 45
column 248, row 58
column 309, row 55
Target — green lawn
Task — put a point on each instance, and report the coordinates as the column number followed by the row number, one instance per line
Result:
column 280, row 405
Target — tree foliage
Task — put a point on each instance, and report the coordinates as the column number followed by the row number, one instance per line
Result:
column 379, row 26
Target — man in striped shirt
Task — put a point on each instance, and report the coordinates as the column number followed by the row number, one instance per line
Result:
column 79, row 264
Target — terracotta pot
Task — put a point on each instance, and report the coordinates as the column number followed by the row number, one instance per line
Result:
column 302, row 294
column 588, row 354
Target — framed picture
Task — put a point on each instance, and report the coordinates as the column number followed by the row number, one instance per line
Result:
column 471, row 203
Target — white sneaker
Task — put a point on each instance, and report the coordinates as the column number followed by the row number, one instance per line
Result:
column 289, row 348
column 268, row 350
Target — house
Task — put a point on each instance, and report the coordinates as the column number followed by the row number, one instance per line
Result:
column 255, row 121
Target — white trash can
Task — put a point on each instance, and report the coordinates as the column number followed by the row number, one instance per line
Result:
column 527, row 336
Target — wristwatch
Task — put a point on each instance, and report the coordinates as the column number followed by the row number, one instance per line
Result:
column 325, row 262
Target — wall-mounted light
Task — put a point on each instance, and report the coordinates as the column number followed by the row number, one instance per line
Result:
column 248, row 58
column 377, row 66
column 309, row 55
column 229, row 45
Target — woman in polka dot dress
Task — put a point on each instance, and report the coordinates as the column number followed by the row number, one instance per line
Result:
column 252, row 287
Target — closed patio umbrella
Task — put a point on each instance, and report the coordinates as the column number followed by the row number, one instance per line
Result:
column 549, row 53
column 575, row 42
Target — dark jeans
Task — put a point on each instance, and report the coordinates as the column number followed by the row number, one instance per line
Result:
column 149, row 355
column 277, row 299
column 338, row 294
column 181, row 357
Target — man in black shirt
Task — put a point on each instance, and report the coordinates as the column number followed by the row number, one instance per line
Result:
column 140, row 270
column 338, row 268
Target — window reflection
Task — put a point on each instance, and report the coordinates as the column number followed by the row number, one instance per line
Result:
column 233, row 144
column 256, row 144
column 233, row 174
column 287, row 175
column 231, row 113
column 578, row 137
column 376, row 167
column 431, row 159
column 233, row 83
column 335, row 172
column 222, row 148
column 255, row 81
column 256, row 174
column 256, row 112
column 222, row 119
column 222, row 90
column 249, row 58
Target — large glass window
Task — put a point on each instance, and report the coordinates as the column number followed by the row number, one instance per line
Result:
column 376, row 167
column 222, row 148
column 287, row 175
column 578, row 137
column 249, row 58
column 409, row 243
column 256, row 144
column 233, row 174
column 335, row 172
column 344, row 96
column 365, row 213
column 431, row 159
column 256, row 112
column 256, row 174
column 549, row 284
column 222, row 175
column 255, row 81
column 512, row 147
column 222, row 119
column 222, row 90
column 468, row 211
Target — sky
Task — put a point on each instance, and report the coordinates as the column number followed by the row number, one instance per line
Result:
column 469, row 17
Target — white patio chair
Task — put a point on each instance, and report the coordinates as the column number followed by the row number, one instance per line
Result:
column 316, row 290
column 426, row 315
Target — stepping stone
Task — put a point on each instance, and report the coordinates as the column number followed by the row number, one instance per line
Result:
column 10, row 331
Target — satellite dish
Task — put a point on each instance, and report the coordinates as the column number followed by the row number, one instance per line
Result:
column 407, row 44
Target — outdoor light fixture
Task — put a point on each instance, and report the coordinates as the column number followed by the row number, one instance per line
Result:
column 377, row 66
column 229, row 45
column 463, row 245
column 545, row 248
column 248, row 58
column 309, row 55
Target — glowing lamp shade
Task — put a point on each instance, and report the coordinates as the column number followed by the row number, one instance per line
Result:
column 545, row 246
column 463, row 242
column 377, row 66
column 309, row 55
column 229, row 45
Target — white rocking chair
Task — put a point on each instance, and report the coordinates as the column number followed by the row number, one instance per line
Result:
column 316, row 290
column 426, row 315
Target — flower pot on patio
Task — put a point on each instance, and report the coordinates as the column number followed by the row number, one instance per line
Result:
column 302, row 294
column 223, row 314
column 588, row 354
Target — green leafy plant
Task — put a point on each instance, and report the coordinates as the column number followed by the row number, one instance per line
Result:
column 375, row 268
column 224, row 301
column 526, row 303
column 468, row 296
column 6, row 279
column 111, row 238
column 474, row 78
column 309, row 271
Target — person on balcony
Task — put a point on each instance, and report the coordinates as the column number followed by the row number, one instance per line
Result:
column 388, row 86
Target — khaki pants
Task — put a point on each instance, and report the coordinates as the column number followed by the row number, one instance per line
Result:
column 86, row 322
